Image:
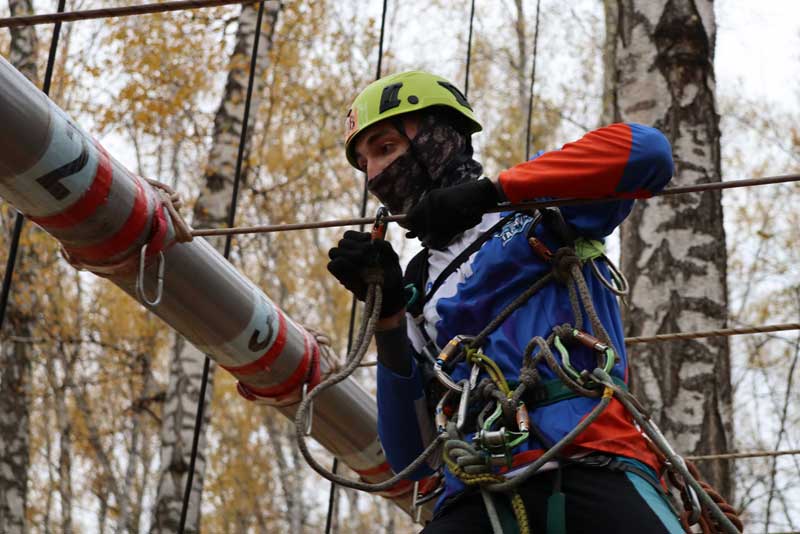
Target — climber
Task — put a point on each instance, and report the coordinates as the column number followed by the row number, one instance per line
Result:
column 411, row 134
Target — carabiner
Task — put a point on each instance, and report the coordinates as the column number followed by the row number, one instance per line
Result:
column 378, row 232
column 463, row 404
column 440, row 418
column 450, row 350
column 310, row 416
column 589, row 341
column 414, row 504
column 140, row 292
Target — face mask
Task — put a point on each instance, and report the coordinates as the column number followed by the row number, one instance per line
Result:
column 401, row 184
column 439, row 156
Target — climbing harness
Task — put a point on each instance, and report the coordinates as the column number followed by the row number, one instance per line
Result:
column 475, row 446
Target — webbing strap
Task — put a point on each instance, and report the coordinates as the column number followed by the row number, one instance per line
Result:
column 552, row 391
column 463, row 257
column 557, row 513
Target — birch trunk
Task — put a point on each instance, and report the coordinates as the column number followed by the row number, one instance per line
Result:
column 14, row 356
column 211, row 209
column 659, row 71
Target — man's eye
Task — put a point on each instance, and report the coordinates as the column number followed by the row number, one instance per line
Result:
column 386, row 148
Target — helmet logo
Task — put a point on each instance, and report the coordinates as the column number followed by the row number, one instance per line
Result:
column 460, row 98
column 351, row 123
column 389, row 98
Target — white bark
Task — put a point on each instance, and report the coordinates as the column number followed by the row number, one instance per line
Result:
column 15, row 364
column 211, row 209
column 659, row 71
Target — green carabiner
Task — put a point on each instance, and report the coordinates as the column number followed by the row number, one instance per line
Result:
column 562, row 350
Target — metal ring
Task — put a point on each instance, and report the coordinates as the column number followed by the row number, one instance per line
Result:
column 140, row 292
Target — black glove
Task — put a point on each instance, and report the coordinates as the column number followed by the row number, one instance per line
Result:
column 444, row 213
column 354, row 254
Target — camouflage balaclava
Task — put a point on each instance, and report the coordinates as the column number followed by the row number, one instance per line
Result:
column 439, row 156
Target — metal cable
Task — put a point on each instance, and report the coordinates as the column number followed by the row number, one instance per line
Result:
column 19, row 221
column 113, row 12
column 740, row 455
column 351, row 328
column 733, row 184
column 723, row 332
column 469, row 50
column 533, row 81
column 231, row 217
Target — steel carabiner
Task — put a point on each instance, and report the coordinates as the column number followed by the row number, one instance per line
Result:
column 140, row 292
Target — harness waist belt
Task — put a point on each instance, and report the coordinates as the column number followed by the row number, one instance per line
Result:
column 552, row 391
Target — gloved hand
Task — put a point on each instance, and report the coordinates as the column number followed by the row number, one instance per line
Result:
column 354, row 254
column 444, row 213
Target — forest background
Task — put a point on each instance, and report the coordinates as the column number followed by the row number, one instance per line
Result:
column 149, row 88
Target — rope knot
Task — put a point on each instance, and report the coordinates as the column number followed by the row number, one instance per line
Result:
column 563, row 261
column 486, row 389
column 564, row 331
column 529, row 376
column 172, row 201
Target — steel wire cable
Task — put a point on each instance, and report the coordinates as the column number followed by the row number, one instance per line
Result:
column 531, row 205
column 533, row 81
column 114, row 12
column 19, row 220
column 228, row 241
column 469, row 49
column 741, row 455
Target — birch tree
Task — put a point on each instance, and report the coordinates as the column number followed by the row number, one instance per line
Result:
column 659, row 71
column 15, row 364
column 211, row 209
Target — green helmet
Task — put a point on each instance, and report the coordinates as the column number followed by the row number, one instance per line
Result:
column 403, row 93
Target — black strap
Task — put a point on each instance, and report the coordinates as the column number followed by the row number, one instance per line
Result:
column 462, row 257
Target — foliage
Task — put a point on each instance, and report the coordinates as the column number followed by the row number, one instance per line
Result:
column 148, row 87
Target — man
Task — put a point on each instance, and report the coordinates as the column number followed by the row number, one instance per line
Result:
column 410, row 133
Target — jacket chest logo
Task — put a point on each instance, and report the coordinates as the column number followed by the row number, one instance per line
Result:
column 515, row 226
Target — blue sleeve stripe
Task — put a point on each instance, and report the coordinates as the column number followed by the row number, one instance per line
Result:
column 649, row 165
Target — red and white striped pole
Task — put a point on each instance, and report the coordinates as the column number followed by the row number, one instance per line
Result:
column 107, row 218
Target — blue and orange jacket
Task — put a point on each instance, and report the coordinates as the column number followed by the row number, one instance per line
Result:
column 623, row 161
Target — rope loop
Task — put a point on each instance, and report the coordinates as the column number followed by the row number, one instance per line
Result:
column 563, row 261
column 172, row 201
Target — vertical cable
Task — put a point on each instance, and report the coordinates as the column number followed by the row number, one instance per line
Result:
column 533, row 81
column 198, row 423
column 351, row 329
column 19, row 221
column 469, row 49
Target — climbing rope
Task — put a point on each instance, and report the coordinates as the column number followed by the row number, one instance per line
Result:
column 472, row 462
column 228, row 241
column 19, row 221
column 302, row 421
